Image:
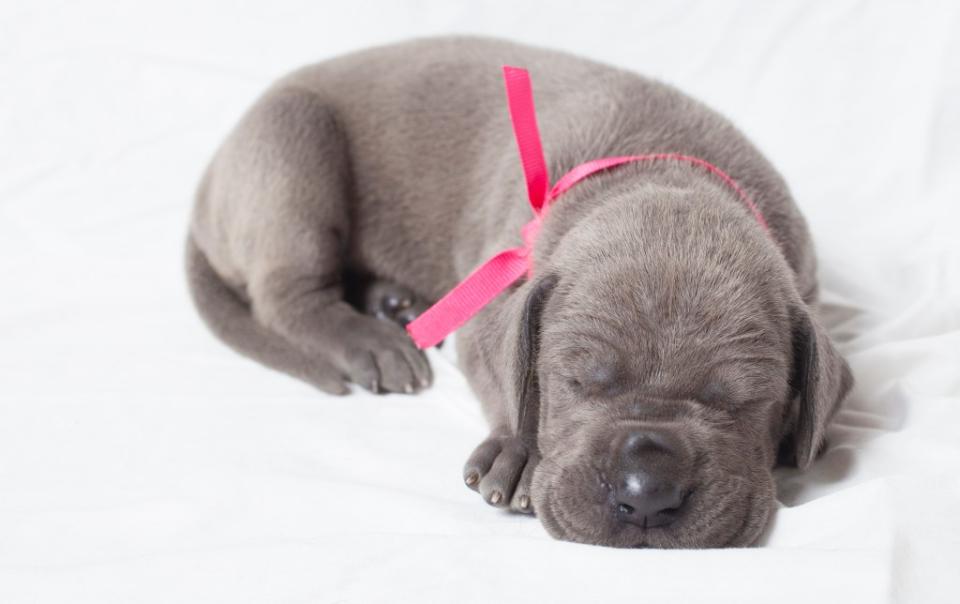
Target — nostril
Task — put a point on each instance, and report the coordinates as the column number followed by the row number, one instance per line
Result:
column 679, row 501
column 647, row 500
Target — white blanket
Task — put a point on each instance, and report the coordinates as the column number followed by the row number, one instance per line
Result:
column 142, row 461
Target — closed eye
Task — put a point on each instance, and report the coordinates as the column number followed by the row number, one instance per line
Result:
column 744, row 380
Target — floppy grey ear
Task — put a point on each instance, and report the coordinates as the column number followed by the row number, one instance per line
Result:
column 820, row 381
column 526, row 384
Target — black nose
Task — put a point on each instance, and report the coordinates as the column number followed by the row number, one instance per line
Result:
column 647, row 501
column 647, row 489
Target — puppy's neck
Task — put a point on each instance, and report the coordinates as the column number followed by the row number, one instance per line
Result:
column 648, row 200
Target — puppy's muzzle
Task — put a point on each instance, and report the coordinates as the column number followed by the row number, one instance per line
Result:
column 646, row 477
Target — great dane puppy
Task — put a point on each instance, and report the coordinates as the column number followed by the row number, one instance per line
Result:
column 640, row 386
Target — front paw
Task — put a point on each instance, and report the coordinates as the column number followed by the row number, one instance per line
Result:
column 501, row 469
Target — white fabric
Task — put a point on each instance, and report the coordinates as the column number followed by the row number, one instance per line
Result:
column 142, row 461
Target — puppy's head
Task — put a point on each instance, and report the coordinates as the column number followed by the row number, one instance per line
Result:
column 662, row 370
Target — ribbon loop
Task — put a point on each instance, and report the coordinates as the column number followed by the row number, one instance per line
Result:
column 523, row 115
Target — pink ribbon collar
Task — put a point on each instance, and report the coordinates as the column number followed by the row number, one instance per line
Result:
column 502, row 270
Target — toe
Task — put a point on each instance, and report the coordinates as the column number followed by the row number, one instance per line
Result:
column 480, row 462
column 498, row 485
column 363, row 369
column 395, row 373
column 406, row 316
column 418, row 363
column 521, row 501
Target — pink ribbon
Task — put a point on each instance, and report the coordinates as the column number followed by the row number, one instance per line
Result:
column 498, row 273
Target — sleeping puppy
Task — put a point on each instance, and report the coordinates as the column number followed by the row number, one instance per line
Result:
column 662, row 357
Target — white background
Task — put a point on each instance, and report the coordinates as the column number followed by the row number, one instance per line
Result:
column 142, row 461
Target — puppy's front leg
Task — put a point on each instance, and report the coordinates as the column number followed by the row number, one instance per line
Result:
column 498, row 352
column 501, row 469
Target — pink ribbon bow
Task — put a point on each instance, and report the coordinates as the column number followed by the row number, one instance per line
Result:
column 499, row 272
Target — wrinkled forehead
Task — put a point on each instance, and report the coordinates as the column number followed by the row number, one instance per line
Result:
column 703, row 296
column 679, row 330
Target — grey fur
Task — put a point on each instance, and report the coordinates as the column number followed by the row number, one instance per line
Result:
column 657, row 301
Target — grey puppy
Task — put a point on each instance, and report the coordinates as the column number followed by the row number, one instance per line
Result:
column 640, row 387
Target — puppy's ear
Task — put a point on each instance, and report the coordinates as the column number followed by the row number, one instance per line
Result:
column 527, row 387
column 820, row 381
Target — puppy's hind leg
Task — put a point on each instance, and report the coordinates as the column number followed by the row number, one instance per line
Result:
column 228, row 316
column 291, row 158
